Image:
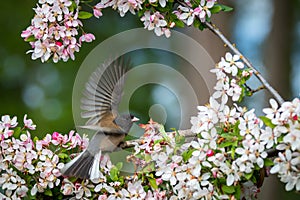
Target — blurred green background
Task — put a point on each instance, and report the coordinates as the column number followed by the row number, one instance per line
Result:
column 267, row 32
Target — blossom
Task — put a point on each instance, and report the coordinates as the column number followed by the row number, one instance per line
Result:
column 162, row 3
column 202, row 11
column 156, row 22
column 129, row 5
column 231, row 63
column 97, row 10
column 268, row 137
column 186, row 14
column 53, row 31
column 136, row 190
column 13, row 184
column 234, row 91
column 273, row 111
column 6, row 122
column 250, row 124
column 210, row 137
column 28, row 123
column 286, row 167
column 83, row 189
column 88, row 37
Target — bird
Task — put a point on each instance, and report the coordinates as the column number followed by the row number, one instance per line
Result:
column 102, row 95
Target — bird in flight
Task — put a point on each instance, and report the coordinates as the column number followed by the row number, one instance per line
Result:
column 103, row 93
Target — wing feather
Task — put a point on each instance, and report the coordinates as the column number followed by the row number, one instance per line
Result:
column 103, row 92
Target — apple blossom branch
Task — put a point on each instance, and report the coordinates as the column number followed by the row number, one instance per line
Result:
column 187, row 134
column 131, row 143
column 216, row 31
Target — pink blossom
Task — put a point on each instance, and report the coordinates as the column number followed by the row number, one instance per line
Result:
column 88, row 37
column 28, row 123
column 6, row 122
column 97, row 10
column 58, row 138
column 26, row 33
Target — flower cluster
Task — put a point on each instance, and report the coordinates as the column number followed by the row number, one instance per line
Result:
column 54, row 29
column 202, row 12
column 231, row 77
column 285, row 122
column 230, row 152
column 156, row 22
column 30, row 166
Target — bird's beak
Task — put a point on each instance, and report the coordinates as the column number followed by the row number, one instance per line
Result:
column 135, row 119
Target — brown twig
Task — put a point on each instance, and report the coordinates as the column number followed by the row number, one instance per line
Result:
column 227, row 43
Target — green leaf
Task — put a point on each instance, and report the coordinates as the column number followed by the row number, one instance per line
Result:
column 187, row 154
column 268, row 162
column 48, row 193
column 179, row 140
column 226, row 144
column 233, row 152
column 179, row 23
column 238, row 192
column 73, row 6
column 84, row 15
column 114, row 172
column 35, row 139
column 197, row 23
column 152, row 182
column 267, row 121
column 30, row 39
column 248, row 176
column 17, row 132
column 226, row 8
column 216, row 9
column 63, row 155
column 228, row 136
column 228, row 189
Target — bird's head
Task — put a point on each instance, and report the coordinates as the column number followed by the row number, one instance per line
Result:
column 126, row 121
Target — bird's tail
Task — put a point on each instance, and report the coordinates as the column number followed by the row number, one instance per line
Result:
column 84, row 166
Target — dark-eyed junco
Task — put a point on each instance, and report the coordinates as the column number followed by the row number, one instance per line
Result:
column 103, row 94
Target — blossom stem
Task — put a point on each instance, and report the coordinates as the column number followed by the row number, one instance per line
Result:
column 255, row 90
column 216, row 31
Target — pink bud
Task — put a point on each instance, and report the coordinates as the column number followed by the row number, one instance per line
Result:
column 97, row 12
column 210, row 153
column 58, row 43
column 295, row 117
column 26, row 33
column 55, row 136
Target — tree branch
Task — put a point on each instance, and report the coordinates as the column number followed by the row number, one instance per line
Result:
column 130, row 143
column 217, row 32
column 188, row 134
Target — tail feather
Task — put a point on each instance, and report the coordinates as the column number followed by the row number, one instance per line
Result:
column 84, row 166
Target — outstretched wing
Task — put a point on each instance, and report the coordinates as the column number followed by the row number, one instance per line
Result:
column 103, row 93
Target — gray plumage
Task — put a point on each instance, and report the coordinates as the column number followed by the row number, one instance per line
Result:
column 103, row 93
